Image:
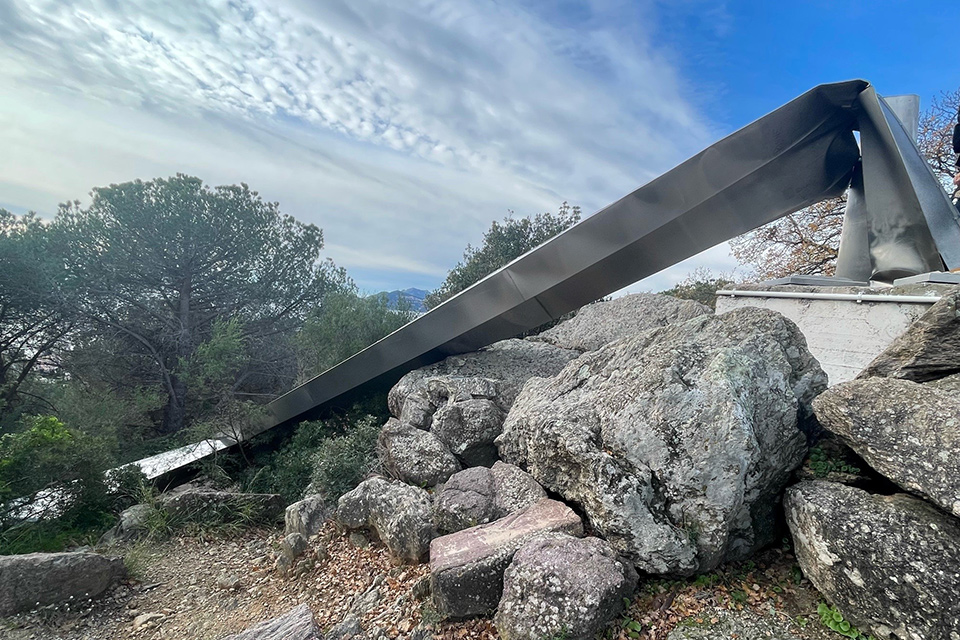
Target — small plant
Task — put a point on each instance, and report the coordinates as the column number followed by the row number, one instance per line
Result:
column 822, row 464
column 834, row 620
column 632, row 627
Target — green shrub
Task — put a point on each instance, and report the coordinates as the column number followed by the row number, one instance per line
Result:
column 342, row 462
column 53, row 487
column 333, row 455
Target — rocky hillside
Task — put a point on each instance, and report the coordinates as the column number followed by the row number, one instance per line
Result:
column 644, row 470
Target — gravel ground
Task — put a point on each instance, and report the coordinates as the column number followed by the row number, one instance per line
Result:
column 205, row 589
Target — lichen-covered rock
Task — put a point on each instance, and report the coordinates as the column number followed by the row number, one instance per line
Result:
column 890, row 564
column 496, row 373
column 296, row 624
column 600, row 323
column 398, row 513
column 513, row 489
column 560, row 585
column 469, row 428
column 463, row 399
column 909, row 432
column 306, row 516
column 479, row 495
column 466, row 568
column 37, row 579
column 132, row 525
column 927, row 350
column 414, row 456
column 676, row 443
column 204, row 506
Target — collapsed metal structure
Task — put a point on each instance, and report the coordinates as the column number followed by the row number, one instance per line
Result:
column 898, row 222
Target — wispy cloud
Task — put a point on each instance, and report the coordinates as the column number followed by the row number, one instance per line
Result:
column 400, row 128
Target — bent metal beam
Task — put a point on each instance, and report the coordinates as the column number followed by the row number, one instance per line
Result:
column 899, row 222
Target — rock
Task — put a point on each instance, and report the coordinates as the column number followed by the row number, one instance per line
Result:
column 494, row 373
column 414, row 456
column 37, row 579
column 293, row 545
column 513, row 489
column 890, row 564
column 479, row 495
column 600, row 323
column 229, row 581
column 463, row 399
column 348, row 628
column 283, row 563
column 468, row 428
column 215, row 507
column 466, row 568
column 398, row 513
column 305, row 517
column 465, row 501
column 358, row 540
column 421, row 588
column 908, row 432
column 132, row 525
column 563, row 586
column 927, row 350
column 366, row 601
column 296, row 624
column 146, row 620
column 675, row 443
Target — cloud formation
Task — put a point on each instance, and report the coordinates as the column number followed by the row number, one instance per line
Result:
column 402, row 129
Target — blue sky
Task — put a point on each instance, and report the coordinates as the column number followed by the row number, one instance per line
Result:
column 404, row 128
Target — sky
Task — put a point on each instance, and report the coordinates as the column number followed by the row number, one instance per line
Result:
column 404, row 128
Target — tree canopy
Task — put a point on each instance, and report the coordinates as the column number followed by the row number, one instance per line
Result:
column 157, row 264
column 502, row 243
column 31, row 303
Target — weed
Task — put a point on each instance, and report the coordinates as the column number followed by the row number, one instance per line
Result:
column 834, row 620
column 823, row 464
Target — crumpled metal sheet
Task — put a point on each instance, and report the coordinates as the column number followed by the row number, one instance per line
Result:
column 802, row 153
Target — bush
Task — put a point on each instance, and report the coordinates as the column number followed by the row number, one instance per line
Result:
column 332, row 456
column 53, row 487
column 341, row 463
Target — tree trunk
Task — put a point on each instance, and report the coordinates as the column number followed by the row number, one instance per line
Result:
column 175, row 413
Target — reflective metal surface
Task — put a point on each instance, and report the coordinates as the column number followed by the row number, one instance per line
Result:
column 804, row 152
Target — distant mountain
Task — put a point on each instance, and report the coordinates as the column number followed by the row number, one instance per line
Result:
column 414, row 296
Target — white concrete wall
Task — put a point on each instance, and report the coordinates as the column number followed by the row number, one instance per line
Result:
column 844, row 336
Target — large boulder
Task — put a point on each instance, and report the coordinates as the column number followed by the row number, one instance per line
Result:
column 927, row 350
column 479, row 495
column 465, row 501
column 296, row 624
column 469, row 428
column 464, row 398
column 38, row 579
column 909, row 432
column 563, row 586
column 398, row 513
column 466, row 568
column 675, row 443
column 600, row 323
column 413, row 455
column 215, row 507
column 890, row 564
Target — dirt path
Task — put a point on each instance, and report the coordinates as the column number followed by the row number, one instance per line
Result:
column 192, row 588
